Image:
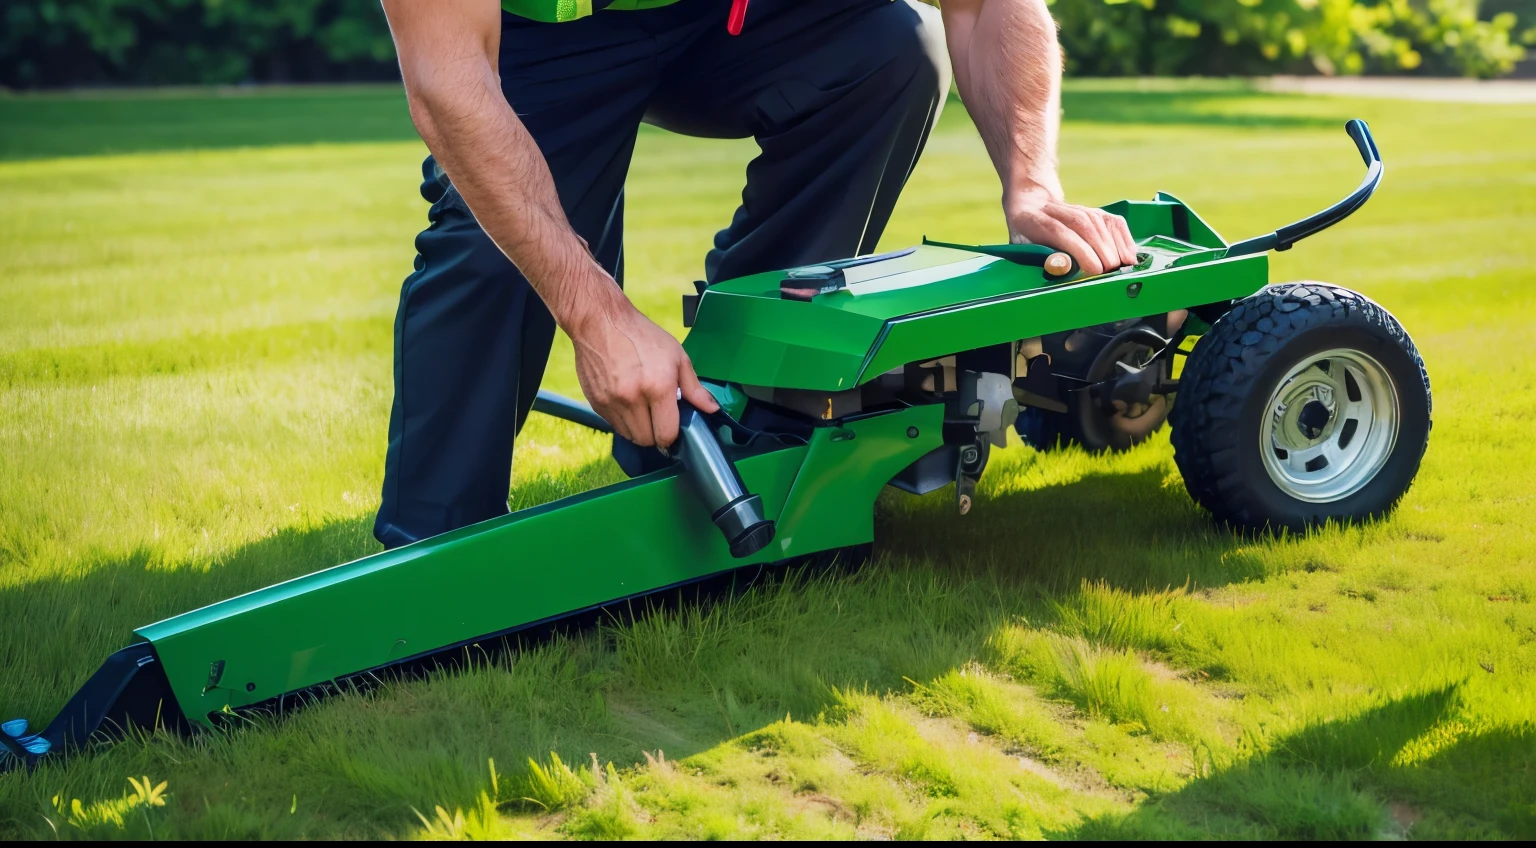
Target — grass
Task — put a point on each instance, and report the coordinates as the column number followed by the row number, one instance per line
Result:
column 198, row 290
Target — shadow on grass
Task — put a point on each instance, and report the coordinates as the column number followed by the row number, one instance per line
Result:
column 1129, row 530
column 1483, row 777
column 1337, row 780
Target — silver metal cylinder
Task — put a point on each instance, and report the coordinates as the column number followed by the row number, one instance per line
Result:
column 737, row 512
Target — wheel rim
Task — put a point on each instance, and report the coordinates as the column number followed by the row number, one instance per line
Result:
column 1329, row 426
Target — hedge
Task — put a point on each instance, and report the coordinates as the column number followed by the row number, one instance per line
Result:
column 46, row 43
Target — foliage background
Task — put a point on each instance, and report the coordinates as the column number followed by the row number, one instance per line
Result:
column 1222, row 37
column 157, row 42
column 49, row 43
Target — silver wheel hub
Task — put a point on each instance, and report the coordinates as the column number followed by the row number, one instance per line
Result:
column 1329, row 426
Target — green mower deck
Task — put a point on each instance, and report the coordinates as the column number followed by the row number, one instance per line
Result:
column 834, row 381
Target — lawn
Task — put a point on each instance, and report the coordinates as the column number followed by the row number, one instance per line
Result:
column 194, row 387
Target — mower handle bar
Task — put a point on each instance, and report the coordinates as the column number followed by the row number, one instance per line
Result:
column 1283, row 238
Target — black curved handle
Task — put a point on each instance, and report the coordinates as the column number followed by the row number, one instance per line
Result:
column 1361, row 133
column 718, row 485
column 1283, row 238
column 567, row 409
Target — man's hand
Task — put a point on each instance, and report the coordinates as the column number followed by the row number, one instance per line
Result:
column 632, row 372
column 1098, row 240
column 1008, row 66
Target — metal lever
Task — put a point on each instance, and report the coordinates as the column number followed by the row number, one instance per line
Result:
column 574, row 411
column 968, row 467
column 714, row 479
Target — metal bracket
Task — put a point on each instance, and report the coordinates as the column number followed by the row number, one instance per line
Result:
column 1038, row 387
column 972, row 461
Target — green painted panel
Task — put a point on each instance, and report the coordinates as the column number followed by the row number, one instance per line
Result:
column 731, row 398
column 1148, row 218
column 1052, row 309
column 747, row 334
column 831, row 504
column 1200, row 232
column 622, row 540
column 912, row 283
column 754, row 338
column 617, row 541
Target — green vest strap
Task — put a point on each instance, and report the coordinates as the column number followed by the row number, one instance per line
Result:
column 560, row 11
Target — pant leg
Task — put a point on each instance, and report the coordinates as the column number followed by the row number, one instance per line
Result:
column 841, row 96
column 471, row 335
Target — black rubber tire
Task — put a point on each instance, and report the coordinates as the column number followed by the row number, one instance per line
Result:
column 1227, row 383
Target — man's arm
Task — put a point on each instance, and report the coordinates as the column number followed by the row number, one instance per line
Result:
column 1008, row 66
column 630, row 369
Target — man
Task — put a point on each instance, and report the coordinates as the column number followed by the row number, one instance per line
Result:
column 530, row 109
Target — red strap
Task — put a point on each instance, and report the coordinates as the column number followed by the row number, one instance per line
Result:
column 738, row 17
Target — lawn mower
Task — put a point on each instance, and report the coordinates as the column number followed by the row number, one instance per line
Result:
column 1297, row 404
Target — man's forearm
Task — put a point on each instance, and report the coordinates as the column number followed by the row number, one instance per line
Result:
column 632, row 371
column 501, row 174
column 1008, row 67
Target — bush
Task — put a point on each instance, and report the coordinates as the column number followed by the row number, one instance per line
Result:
column 1224, row 37
column 154, row 42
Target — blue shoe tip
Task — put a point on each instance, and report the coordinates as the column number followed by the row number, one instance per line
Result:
column 14, row 727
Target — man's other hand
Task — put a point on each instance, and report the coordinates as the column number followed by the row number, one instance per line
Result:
column 631, row 371
column 1098, row 240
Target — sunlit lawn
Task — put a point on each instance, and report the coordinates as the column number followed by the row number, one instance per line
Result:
column 194, row 385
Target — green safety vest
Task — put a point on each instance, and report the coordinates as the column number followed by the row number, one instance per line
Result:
column 560, row 11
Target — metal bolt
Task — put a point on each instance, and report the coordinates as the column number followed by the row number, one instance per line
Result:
column 965, row 504
column 911, row 432
column 1133, row 289
column 250, row 687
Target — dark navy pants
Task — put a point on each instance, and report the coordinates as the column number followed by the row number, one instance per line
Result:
column 840, row 95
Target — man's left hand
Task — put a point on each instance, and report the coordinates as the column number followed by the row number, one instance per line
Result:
column 1098, row 240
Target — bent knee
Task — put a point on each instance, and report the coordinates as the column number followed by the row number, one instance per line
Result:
column 911, row 34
